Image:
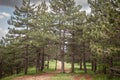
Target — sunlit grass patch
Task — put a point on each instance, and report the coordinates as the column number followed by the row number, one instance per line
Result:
column 62, row 77
column 82, row 78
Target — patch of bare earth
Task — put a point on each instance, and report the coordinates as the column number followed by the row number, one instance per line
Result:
column 83, row 77
column 49, row 75
column 44, row 76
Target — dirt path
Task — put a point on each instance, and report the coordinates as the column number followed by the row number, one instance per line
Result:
column 44, row 76
column 49, row 75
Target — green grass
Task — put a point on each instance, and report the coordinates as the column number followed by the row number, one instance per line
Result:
column 65, row 76
column 95, row 76
column 31, row 71
column 100, row 77
column 12, row 76
column 67, row 65
column 104, row 77
column 88, row 65
column 62, row 76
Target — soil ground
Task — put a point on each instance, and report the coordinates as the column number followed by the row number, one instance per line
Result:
column 49, row 75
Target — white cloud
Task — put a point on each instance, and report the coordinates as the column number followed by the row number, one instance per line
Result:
column 1, row 16
column 87, row 9
column 3, row 32
column 84, row 4
column 4, row 14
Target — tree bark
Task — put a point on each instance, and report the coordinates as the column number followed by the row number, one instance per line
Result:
column 48, row 63
column 56, row 62
column 42, row 60
column 63, row 70
column 111, row 61
column 18, row 69
column 1, row 69
column 38, row 58
column 95, row 65
column 73, row 51
column 84, row 59
column 80, row 63
column 104, row 69
column 92, row 63
column 63, row 53
column 26, row 60
column 62, row 62
column 72, row 65
column 111, row 65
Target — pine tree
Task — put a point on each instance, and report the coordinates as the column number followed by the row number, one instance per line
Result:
column 104, row 28
column 42, row 33
column 2, row 46
column 68, row 20
column 21, row 19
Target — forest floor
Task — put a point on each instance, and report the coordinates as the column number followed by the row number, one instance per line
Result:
column 83, row 77
column 50, row 75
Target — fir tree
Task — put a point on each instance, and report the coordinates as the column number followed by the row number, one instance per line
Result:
column 21, row 19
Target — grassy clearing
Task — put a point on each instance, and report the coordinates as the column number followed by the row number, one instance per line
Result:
column 88, row 65
column 65, row 76
column 67, row 65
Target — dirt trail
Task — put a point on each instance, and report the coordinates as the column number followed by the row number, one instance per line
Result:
column 49, row 75
column 44, row 76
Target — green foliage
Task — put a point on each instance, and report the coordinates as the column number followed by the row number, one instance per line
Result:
column 35, row 28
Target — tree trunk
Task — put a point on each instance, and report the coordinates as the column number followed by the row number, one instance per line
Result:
column 62, row 62
column 84, row 63
column 104, row 69
column 26, row 60
column 73, row 51
column 111, row 61
column 80, row 63
column 104, row 64
column 48, row 63
column 63, row 53
column 42, row 60
column 94, row 65
column 56, row 65
column 111, row 65
column 1, row 69
column 11, row 70
column 56, row 62
column 38, row 58
column 84, row 59
column 72, row 65
column 18, row 69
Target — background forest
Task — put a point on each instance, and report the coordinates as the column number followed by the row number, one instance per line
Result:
column 61, row 31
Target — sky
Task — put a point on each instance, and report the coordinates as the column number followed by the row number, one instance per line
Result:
column 7, row 9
